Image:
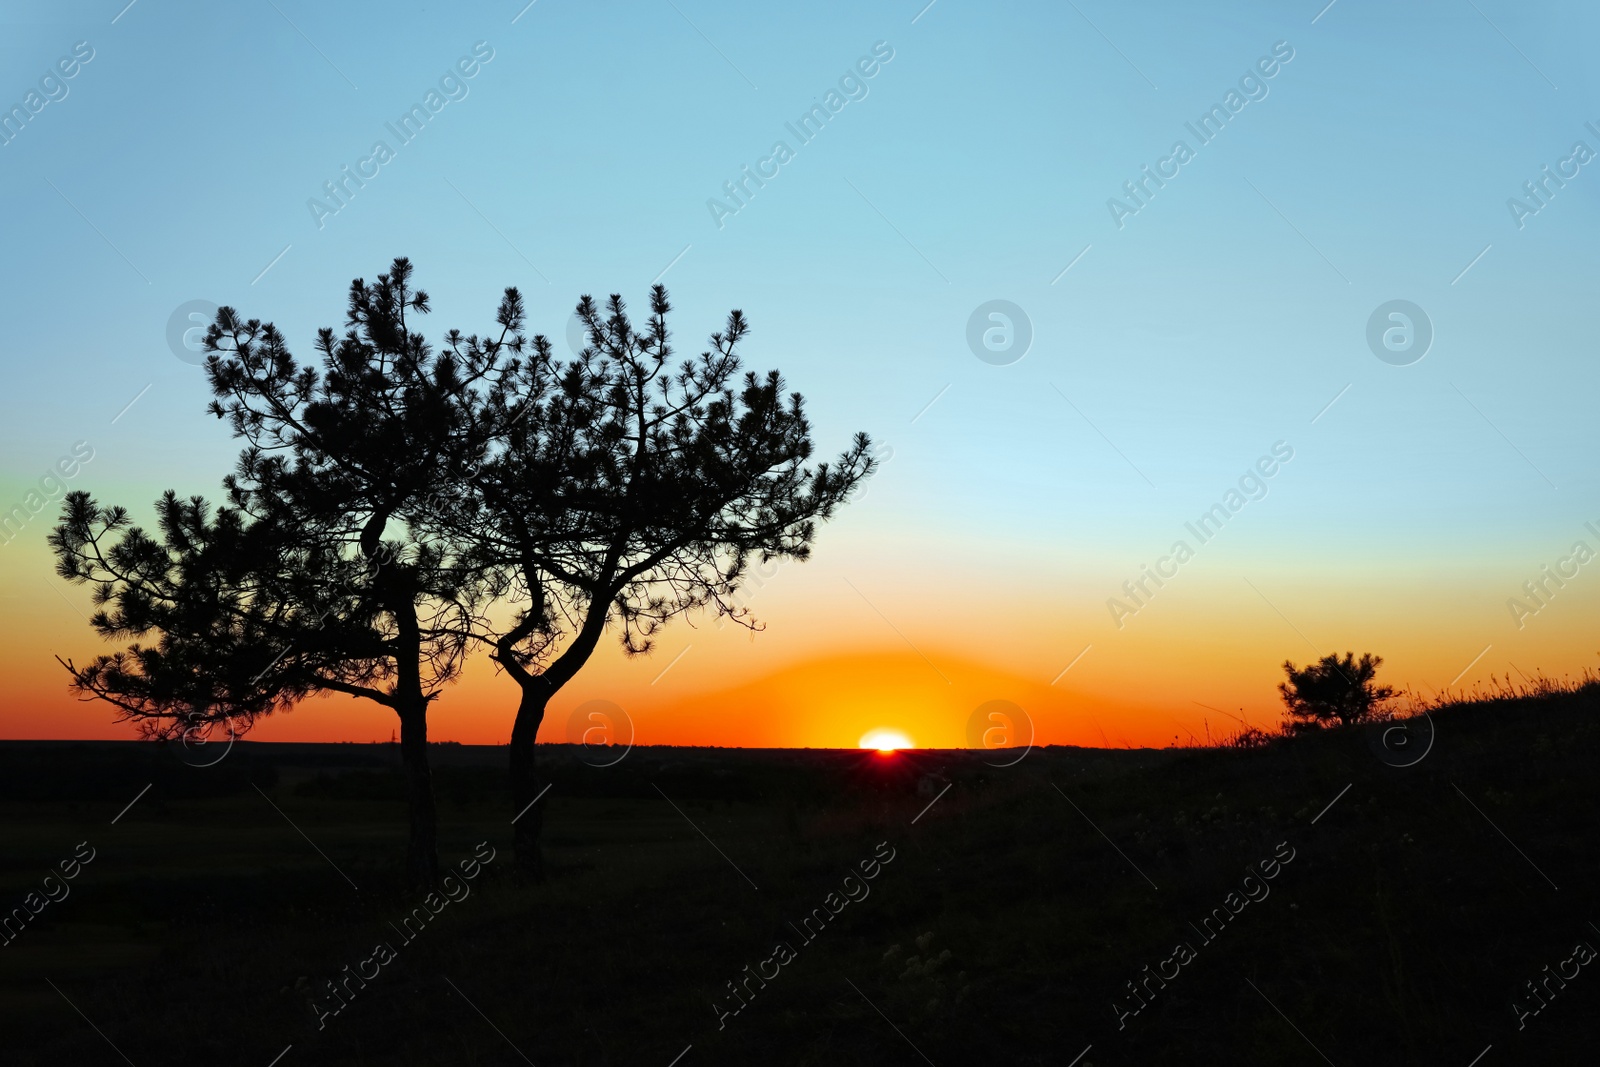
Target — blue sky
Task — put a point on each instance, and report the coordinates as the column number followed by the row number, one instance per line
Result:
column 1222, row 318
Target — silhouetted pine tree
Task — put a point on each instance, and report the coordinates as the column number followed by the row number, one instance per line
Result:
column 628, row 490
column 1333, row 690
column 316, row 577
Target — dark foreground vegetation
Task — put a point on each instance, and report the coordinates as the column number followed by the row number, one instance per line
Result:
column 1335, row 907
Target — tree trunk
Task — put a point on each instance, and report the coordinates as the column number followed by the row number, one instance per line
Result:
column 527, row 792
column 527, row 796
column 422, row 852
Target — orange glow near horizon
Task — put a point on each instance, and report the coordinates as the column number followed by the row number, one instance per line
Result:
column 885, row 740
column 838, row 701
column 827, row 672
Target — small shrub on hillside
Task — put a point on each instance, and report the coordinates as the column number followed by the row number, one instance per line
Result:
column 1333, row 691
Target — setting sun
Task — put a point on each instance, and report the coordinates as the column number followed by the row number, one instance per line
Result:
column 885, row 740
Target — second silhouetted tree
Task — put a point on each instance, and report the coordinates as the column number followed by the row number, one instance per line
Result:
column 1333, row 691
column 626, row 490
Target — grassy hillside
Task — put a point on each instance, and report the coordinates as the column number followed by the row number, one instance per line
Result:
column 1406, row 908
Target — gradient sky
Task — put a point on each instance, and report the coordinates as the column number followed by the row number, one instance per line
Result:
column 1220, row 319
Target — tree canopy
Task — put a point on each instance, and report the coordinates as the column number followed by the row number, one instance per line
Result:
column 626, row 490
column 310, row 579
column 390, row 492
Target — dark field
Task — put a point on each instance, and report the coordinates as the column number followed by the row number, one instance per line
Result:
column 1006, row 921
